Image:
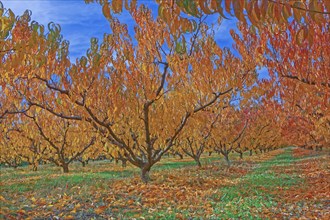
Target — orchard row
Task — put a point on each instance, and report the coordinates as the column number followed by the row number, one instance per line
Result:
column 138, row 98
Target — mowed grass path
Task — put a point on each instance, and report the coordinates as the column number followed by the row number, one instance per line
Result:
column 258, row 187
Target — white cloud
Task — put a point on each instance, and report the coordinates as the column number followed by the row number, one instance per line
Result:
column 79, row 21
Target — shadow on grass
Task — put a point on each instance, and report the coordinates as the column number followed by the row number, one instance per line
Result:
column 248, row 199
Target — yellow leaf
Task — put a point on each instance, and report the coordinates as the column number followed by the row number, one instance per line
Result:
column 2, row 198
column 100, row 209
column 69, row 217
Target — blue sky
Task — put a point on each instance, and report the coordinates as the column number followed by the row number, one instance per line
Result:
column 80, row 21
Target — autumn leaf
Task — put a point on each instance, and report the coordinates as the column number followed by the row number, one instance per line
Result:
column 100, row 209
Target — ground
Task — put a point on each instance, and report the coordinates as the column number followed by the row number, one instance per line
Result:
column 289, row 183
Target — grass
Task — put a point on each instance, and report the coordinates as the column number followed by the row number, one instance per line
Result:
column 48, row 177
column 186, row 162
column 244, row 191
column 249, row 198
column 52, row 181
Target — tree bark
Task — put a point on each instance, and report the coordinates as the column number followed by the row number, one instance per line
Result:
column 241, row 155
column 250, row 152
column 318, row 148
column 198, row 162
column 227, row 160
column 65, row 167
column 145, row 177
column 35, row 168
column 123, row 163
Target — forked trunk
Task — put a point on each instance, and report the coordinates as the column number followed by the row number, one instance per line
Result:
column 198, row 162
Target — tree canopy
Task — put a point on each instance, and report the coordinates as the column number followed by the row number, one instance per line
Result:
column 139, row 97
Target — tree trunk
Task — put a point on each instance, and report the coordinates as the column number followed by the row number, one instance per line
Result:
column 250, row 152
column 241, row 155
column 227, row 160
column 35, row 168
column 83, row 163
column 318, row 148
column 210, row 153
column 65, row 167
column 145, row 175
column 123, row 163
column 198, row 162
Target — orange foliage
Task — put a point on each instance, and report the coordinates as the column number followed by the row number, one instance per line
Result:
column 177, row 13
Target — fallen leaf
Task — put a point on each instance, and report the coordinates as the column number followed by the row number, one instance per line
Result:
column 100, row 209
